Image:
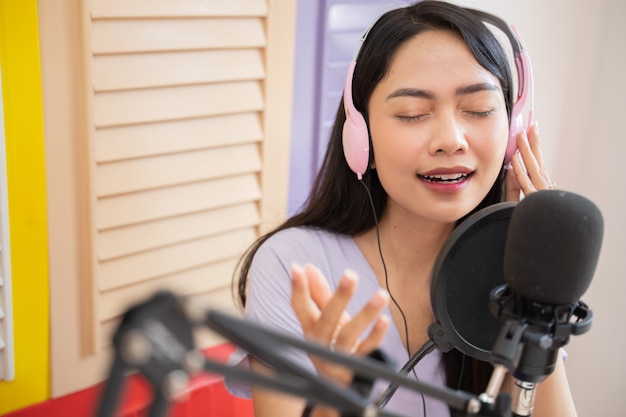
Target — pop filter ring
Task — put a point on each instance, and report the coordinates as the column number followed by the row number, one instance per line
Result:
column 471, row 257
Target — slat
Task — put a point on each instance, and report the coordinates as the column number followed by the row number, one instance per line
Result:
column 107, row 331
column 148, row 35
column 167, row 170
column 217, row 299
column 199, row 280
column 173, row 201
column 161, row 104
column 220, row 299
column 132, row 270
column 146, row 236
column 168, row 8
column 116, row 72
column 178, row 136
column 203, row 337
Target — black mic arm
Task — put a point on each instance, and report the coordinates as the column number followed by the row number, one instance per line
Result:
column 247, row 335
column 155, row 338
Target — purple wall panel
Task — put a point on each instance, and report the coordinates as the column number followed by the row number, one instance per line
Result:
column 328, row 36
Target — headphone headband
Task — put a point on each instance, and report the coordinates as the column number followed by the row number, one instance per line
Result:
column 356, row 141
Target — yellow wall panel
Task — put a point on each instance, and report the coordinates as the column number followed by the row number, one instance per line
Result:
column 21, row 86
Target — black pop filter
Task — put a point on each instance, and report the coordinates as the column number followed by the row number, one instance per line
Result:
column 470, row 265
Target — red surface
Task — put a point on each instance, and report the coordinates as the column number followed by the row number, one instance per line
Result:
column 207, row 398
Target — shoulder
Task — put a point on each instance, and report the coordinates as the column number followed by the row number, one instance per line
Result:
column 305, row 233
column 331, row 252
column 305, row 242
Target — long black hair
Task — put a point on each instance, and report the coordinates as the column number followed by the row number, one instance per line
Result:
column 337, row 202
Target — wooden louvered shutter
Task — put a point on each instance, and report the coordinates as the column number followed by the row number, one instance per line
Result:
column 185, row 159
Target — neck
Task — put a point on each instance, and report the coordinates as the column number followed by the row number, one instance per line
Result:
column 412, row 246
column 408, row 247
column 409, row 250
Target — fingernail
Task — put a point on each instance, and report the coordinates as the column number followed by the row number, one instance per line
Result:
column 380, row 298
column 296, row 267
column 349, row 276
column 348, row 279
column 382, row 322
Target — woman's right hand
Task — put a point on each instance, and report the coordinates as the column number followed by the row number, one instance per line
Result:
column 323, row 317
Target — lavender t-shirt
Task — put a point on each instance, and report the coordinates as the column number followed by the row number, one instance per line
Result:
column 268, row 304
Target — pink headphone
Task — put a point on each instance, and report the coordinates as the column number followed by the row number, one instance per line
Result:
column 356, row 144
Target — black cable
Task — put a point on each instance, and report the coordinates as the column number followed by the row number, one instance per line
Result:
column 463, row 357
column 408, row 367
column 406, row 327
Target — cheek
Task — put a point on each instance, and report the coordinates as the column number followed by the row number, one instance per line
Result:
column 394, row 146
column 394, row 153
column 492, row 146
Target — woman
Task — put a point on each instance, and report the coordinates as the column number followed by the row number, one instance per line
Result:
column 435, row 89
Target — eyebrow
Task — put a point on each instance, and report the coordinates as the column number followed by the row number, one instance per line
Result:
column 419, row 93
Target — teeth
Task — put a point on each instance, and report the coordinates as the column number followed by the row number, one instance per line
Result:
column 446, row 177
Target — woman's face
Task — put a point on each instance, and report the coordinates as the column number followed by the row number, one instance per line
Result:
column 439, row 128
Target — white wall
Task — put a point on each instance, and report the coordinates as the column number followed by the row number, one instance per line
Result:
column 580, row 103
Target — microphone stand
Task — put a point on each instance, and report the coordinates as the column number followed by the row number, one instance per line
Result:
column 155, row 338
column 530, row 338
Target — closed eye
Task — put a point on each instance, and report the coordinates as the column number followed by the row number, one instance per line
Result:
column 481, row 113
column 413, row 118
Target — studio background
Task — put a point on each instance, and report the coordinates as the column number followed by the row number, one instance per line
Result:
column 148, row 142
column 580, row 96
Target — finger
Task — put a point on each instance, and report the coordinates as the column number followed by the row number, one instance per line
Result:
column 318, row 285
column 333, row 312
column 323, row 411
column 321, row 292
column 533, row 169
column 375, row 337
column 533, row 140
column 349, row 336
column 521, row 176
column 303, row 305
column 511, row 186
column 528, row 144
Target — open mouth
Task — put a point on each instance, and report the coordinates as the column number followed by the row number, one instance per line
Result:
column 445, row 178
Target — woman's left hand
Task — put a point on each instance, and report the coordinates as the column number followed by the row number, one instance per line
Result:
column 527, row 172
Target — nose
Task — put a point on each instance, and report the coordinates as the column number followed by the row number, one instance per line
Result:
column 448, row 136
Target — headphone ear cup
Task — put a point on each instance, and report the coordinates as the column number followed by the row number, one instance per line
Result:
column 355, row 136
column 517, row 126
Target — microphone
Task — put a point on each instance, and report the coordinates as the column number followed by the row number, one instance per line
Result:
column 553, row 247
column 550, row 255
